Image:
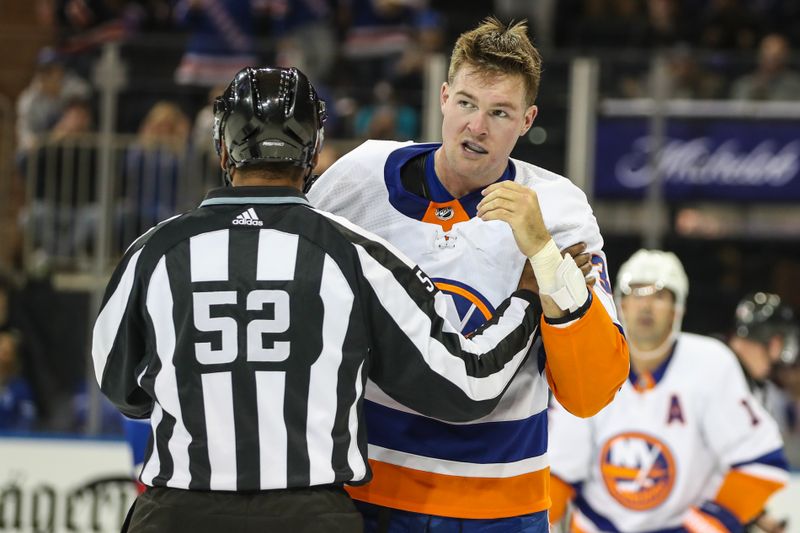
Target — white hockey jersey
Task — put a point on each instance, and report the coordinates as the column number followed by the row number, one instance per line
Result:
column 666, row 443
column 498, row 466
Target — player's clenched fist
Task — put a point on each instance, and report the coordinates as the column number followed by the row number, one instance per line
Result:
column 519, row 207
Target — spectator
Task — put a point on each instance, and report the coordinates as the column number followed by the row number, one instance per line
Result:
column 204, row 170
column 220, row 40
column 35, row 373
column 666, row 25
column 84, row 24
column 385, row 118
column 42, row 103
column 772, row 79
column 609, row 24
column 728, row 25
column 152, row 169
column 306, row 38
column 62, row 172
column 17, row 406
column 378, row 33
column 688, row 78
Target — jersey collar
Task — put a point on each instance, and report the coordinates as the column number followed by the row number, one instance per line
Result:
column 415, row 206
column 254, row 195
column 648, row 380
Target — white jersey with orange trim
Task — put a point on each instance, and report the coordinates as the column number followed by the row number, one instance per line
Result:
column 667, row 442
column 496, row 467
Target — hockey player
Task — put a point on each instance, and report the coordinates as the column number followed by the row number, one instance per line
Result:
column 765, row 340
column 447, row 206
column 685, row 446
column 766, row 335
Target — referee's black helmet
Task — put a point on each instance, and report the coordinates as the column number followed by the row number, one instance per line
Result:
column 269, row 115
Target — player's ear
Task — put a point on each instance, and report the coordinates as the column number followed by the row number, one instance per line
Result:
column 530, row 116
column 444, row 95
column 223, row 157
column 774, row 348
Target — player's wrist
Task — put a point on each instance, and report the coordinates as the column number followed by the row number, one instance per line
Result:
column 559, row 277
column 545, row 262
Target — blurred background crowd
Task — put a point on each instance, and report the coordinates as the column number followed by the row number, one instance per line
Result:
column 73, row 197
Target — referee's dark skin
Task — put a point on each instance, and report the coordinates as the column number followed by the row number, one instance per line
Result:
column 247, row 329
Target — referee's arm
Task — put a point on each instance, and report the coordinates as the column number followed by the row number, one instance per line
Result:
column 420, row 359
column 118, row 345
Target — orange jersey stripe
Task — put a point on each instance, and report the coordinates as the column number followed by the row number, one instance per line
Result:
column 454, row 496
column 447, row 287
column 630, row 473
column 744, row 495
column 587, row 361
column 561, row 493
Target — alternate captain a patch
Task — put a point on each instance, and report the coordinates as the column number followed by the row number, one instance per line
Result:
column 675, row 413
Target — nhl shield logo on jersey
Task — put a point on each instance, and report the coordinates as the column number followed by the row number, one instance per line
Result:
column 444, row 213
column 638, row 470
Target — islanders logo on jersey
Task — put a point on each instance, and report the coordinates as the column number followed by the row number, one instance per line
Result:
column 470, row 305
column 638, row 470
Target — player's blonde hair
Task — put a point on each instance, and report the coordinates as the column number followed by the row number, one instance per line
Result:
column 495, row 48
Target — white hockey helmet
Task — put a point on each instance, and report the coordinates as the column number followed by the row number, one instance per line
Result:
column 657, row 270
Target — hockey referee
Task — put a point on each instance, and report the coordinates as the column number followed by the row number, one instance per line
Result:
column 246, row 330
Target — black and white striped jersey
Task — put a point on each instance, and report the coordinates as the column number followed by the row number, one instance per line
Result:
column 246, row 329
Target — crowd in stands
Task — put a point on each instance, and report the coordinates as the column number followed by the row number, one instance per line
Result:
column 367, row 59
column 367, row 56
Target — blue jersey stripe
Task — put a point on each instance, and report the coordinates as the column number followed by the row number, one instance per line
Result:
column 604, row 524
column 724, row 515
column 774, row 458
column 483, row 443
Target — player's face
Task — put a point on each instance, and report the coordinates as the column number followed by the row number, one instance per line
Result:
column 754, row 356
column 484, row 115
column 648, row 316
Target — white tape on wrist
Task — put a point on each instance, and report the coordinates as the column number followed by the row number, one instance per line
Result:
column 544, row 263
column 559, row 278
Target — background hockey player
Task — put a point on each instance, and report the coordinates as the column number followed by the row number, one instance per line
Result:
column 685, row 444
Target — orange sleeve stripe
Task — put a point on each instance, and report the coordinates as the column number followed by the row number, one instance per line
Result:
column 561, row 493
column 699, row 522
column 574, row 527
column 455, row 496
column 587, row 361
column 744, row 495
